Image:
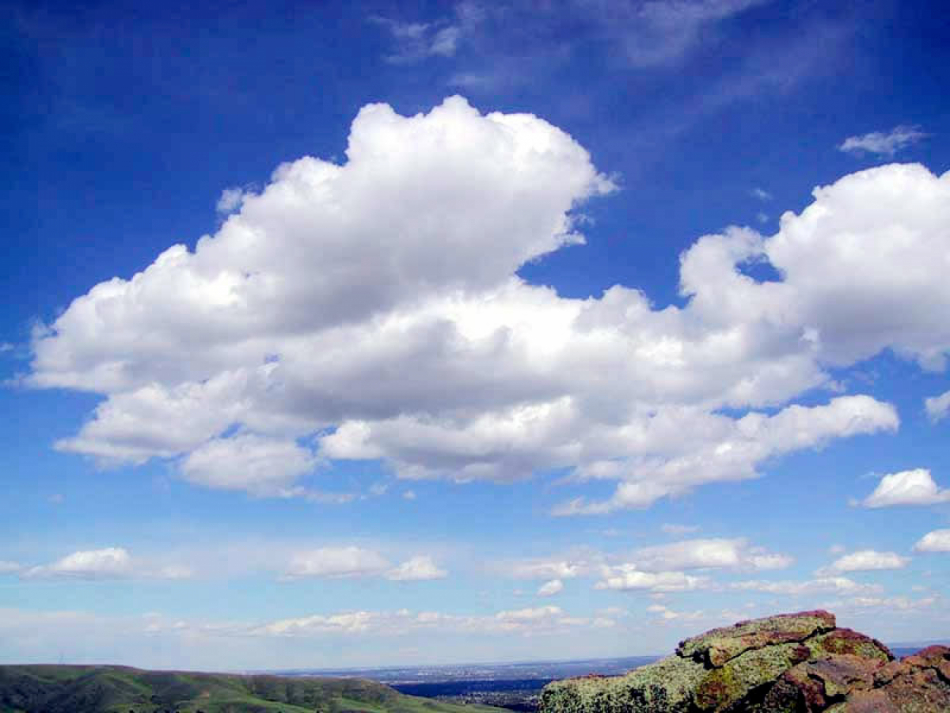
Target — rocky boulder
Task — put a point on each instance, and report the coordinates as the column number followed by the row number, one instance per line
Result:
column 790, row 663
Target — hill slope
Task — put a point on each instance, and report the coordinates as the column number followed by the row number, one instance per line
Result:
column 117, row 689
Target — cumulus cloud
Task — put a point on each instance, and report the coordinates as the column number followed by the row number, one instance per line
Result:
column 731, row 449
column 230, row 200
column 938, row 407
column 260, row 465
column 348, row 623
column 336, row 562
column 821, row 585
column 372, row 310
column 864, row 560
column 418, row 568
column 626, row 577
column 889, row 603
column 527, row 621
column 936, row 541
column 908, row 487
column 352, row 561
column 555, row 586
column 107, row 563
column 884, row 143
column 549, row 569
column 667, row 614
column 707, row 554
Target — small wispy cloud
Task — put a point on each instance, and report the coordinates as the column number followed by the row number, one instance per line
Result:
column 675, row 529
column 230, row 200
column 416, row 41
column 657, row 32
column 107, row 563
column 938, row 407
column 761, row 194
column 548, row 589
column 883, row 143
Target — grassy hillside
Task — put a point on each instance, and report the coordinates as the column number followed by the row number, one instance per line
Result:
column 117, row 689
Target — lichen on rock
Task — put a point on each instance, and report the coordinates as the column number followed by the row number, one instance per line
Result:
column 790, row 663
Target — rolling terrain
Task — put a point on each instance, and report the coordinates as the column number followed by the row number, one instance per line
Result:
column 117, row 689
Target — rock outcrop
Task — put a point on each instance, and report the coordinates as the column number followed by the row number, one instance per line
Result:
column 790, row 663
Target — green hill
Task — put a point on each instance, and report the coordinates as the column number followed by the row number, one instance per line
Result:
column 118, row 689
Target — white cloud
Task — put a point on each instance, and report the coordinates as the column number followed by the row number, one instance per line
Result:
column 554, row 586
column 667, row 614
column 416, row 41
column 352, row 561
column 864, row 560
column 936, row 541
column 627, row 577
column 908, row 487
column 761, row 194
column 707, row 554
column 549, row 569
column 6, row 567
column 321, row 636
column 6, row 347
column 230, row 200
column 883, row 143
column 409, row 495
column 258, row 464
column 938, row 407
column 418, row 568
column 372, row 309
column 821, row 585
column 733, row 449
column 896, row 214
column 337, row 562
column 107, row 563
column 347, row 623
column 674, row 529
column 659, row 32
column 888, row 603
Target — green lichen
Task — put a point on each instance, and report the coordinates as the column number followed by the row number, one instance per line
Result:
column 845, row 641
column 663, row 687
column 722, row 687
column 718, row 646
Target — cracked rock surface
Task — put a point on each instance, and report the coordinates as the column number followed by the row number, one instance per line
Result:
column 790, row 663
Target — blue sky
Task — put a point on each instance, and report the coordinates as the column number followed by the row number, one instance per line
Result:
column 362, row 335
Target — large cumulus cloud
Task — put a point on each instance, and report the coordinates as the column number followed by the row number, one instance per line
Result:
column 372, row 310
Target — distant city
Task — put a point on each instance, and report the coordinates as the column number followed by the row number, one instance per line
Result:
column 515, row 686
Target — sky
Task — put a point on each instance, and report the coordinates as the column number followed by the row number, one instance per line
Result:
column 356, row 334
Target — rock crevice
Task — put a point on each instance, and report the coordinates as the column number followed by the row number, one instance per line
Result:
column 790, row 663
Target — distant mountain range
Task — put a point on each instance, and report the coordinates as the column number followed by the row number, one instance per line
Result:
column 117, row 689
